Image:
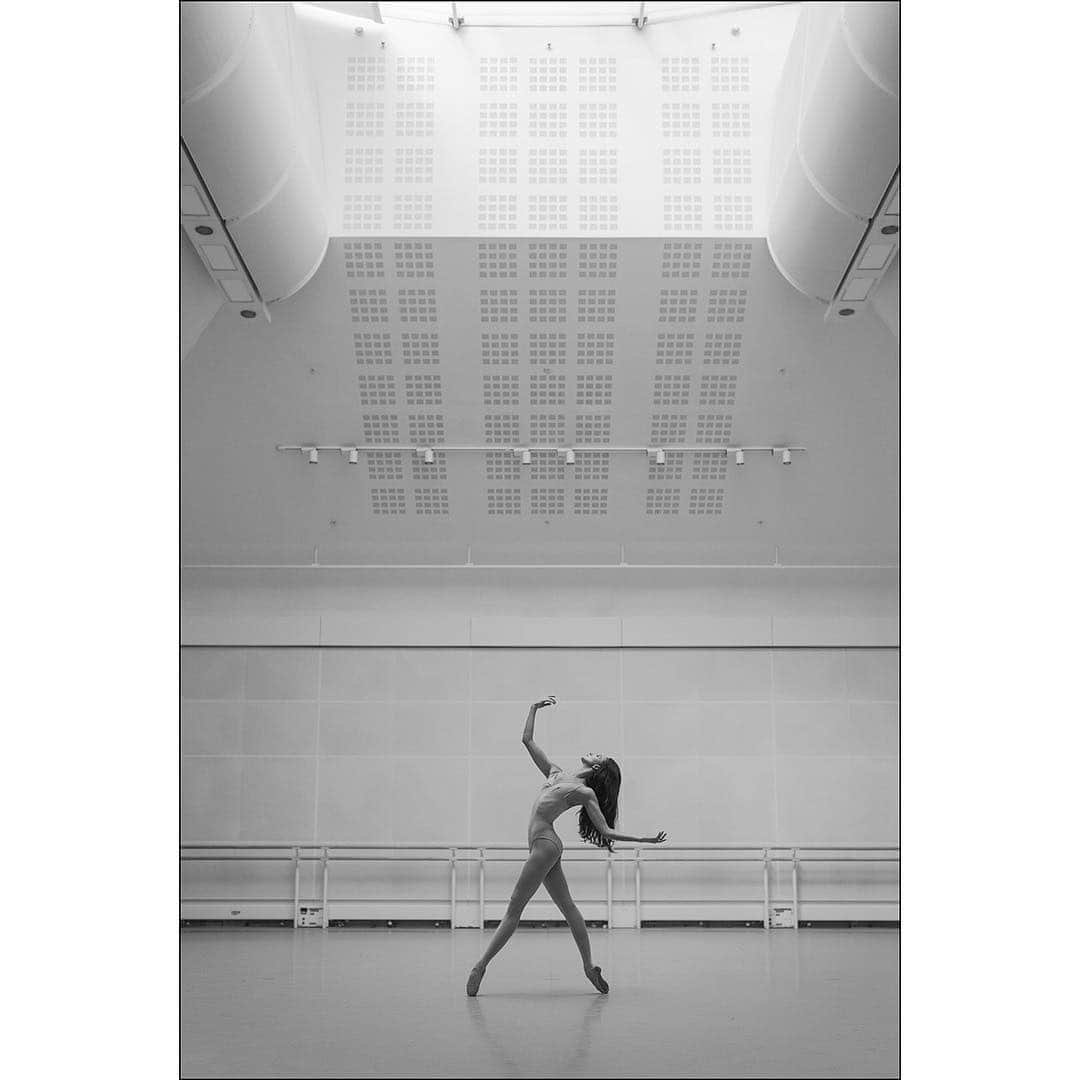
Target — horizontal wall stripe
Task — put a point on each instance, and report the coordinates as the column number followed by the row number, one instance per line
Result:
column 631, row 632
column 268, row 630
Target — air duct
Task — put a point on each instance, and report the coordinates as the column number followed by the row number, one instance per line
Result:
column 249, row 125
column 836, row 147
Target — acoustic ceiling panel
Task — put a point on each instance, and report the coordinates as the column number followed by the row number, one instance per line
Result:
column 541, row 342
column 548, row 131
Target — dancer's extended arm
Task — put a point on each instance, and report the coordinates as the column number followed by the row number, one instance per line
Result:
column 538, row 755
column 592, row 808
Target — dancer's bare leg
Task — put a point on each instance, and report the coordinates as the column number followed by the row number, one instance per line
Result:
column 539, row 862
column 557, row 886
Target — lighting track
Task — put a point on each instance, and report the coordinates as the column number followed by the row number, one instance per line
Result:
column 351, row 451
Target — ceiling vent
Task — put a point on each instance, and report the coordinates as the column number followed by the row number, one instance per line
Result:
column 249, row 129
column 834, row 179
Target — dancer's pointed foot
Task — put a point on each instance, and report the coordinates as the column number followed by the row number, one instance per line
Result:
column 473, row 984
column 598, row 980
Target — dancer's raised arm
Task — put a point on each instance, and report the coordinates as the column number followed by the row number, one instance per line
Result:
column 592, row 808
column 538, row 755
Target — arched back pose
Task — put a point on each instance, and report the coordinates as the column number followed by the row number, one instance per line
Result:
column 594, row 788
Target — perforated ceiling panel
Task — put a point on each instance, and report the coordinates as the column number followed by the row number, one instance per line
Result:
column 532, row 131
column 540, row 341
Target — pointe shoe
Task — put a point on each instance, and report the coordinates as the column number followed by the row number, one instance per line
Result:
column 598, row 980
column 474, row 981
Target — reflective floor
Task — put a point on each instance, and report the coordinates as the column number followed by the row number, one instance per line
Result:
column 683, row 1002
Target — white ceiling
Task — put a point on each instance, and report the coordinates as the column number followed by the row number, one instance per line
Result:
column 543, row 245
column 538, row 131
column 308, row 377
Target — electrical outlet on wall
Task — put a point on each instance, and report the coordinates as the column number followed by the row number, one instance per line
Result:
column 782, row 917
column 310, row 916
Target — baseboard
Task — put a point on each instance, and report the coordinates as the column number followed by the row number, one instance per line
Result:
column 541, row 924
column 229, row 924
column 850, row 924
column 647, row 924
column 378, row 924
column 389, row 924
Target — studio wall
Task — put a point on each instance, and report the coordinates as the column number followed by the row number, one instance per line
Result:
column 391, row 745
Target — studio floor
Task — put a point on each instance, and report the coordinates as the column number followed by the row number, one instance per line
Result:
column 683, row 1002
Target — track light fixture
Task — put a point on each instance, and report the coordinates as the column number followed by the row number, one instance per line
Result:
column 655, row 454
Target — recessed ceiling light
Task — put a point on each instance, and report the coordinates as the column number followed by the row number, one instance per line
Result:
column 889, row 230
column 847, row 311
column 204, row 230
column 248, row 313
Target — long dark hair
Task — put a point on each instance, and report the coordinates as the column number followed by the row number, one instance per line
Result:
column 605, row 780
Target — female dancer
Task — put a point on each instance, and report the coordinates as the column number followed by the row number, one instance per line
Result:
column 595, row 788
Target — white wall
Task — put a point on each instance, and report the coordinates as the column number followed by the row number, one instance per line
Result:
column 423, row 744
column 719, row 742
column 411, row 745
column 200, row 298
column 854, row 592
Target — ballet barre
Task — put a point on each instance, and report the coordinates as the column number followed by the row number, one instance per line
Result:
column 326, row 853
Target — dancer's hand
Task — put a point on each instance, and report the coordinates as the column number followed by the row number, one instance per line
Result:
column 659, row 838
column 545, row 703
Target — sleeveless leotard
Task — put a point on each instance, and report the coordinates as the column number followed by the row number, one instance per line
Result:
column 553, row 799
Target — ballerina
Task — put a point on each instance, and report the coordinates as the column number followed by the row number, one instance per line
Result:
column 595, row 789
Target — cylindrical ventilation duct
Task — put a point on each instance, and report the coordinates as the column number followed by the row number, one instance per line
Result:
column 248, row 121
column 836, row 139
